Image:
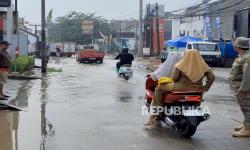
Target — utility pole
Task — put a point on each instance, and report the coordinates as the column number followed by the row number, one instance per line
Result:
column 17, row 30
column 151, row 33
column 10, row 24
column 16, row 10
column 147, row 27
column 120, row 32
column 43, row 42
column 158, row 29
column 140, row 45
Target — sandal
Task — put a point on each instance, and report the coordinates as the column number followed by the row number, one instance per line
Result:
column 151, row 122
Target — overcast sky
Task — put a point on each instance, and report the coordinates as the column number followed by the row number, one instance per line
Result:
column 109, row 9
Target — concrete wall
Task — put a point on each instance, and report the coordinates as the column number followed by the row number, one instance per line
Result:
column 175, row 28
column 193, row 26
column 227, row 16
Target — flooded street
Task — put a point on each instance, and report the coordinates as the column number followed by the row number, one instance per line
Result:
column 88, row 107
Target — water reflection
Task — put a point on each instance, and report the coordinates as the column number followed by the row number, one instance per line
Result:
column 47, row 129
column 22, row 96
column 9, row 122
column 124, row 94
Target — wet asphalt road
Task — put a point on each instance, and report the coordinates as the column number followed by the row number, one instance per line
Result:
column 88, row 107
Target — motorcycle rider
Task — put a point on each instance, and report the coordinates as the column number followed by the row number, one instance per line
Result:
column 125, row 58
column 58, row 52
column 188, row 75
column 5, row 62
column 166, row 69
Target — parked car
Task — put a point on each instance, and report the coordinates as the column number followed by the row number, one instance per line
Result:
column 89, row 54
column 209, row 51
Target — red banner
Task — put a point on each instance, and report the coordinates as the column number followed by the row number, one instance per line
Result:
column 1, row 24
column 161, row 34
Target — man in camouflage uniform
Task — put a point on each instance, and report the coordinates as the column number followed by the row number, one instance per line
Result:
column 240, row 83
column 4, row 67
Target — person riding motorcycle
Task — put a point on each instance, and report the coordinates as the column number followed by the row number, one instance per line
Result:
column 125, row 58
column 58, row 52
column 166, row 69
column 188, row 75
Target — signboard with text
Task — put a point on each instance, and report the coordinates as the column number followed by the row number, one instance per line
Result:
column 87, row 27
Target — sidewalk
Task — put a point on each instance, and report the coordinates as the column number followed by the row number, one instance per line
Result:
column 11, row 89
column 17, row 85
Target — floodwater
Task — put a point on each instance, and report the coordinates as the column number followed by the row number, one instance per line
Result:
column 88, row 107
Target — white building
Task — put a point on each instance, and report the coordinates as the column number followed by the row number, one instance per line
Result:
column 192, row 20
column 192, row 26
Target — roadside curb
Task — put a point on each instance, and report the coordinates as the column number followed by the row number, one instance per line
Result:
column 23, row 76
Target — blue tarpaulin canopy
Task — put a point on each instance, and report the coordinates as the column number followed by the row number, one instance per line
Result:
column 182, row 41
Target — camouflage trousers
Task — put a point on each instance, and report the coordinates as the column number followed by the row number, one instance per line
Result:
column 244, row 102
column 3, row 78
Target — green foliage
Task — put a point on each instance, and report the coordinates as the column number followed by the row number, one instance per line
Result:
column 54, row 70
column 68, row 28
column 49, row 17
column 22, row 64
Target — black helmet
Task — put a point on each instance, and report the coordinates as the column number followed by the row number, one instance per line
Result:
column 125, row 50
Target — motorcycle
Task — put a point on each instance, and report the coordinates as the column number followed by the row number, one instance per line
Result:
column 125, row 71
column 189, row 106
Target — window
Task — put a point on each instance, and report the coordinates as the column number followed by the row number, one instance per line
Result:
column 206, row 47
column 189, row 46
column 89, row 47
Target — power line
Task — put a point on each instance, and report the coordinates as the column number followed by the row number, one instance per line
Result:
column 189, row 6
column 129, row 14
column 194, row 14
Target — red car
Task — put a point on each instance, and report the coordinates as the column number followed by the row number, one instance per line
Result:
column 89, row 54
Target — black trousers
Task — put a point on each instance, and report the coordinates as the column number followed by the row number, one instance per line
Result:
column 118, row 65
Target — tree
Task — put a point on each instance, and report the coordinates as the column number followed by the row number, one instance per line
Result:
column 68, row 28
column 49, row 17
